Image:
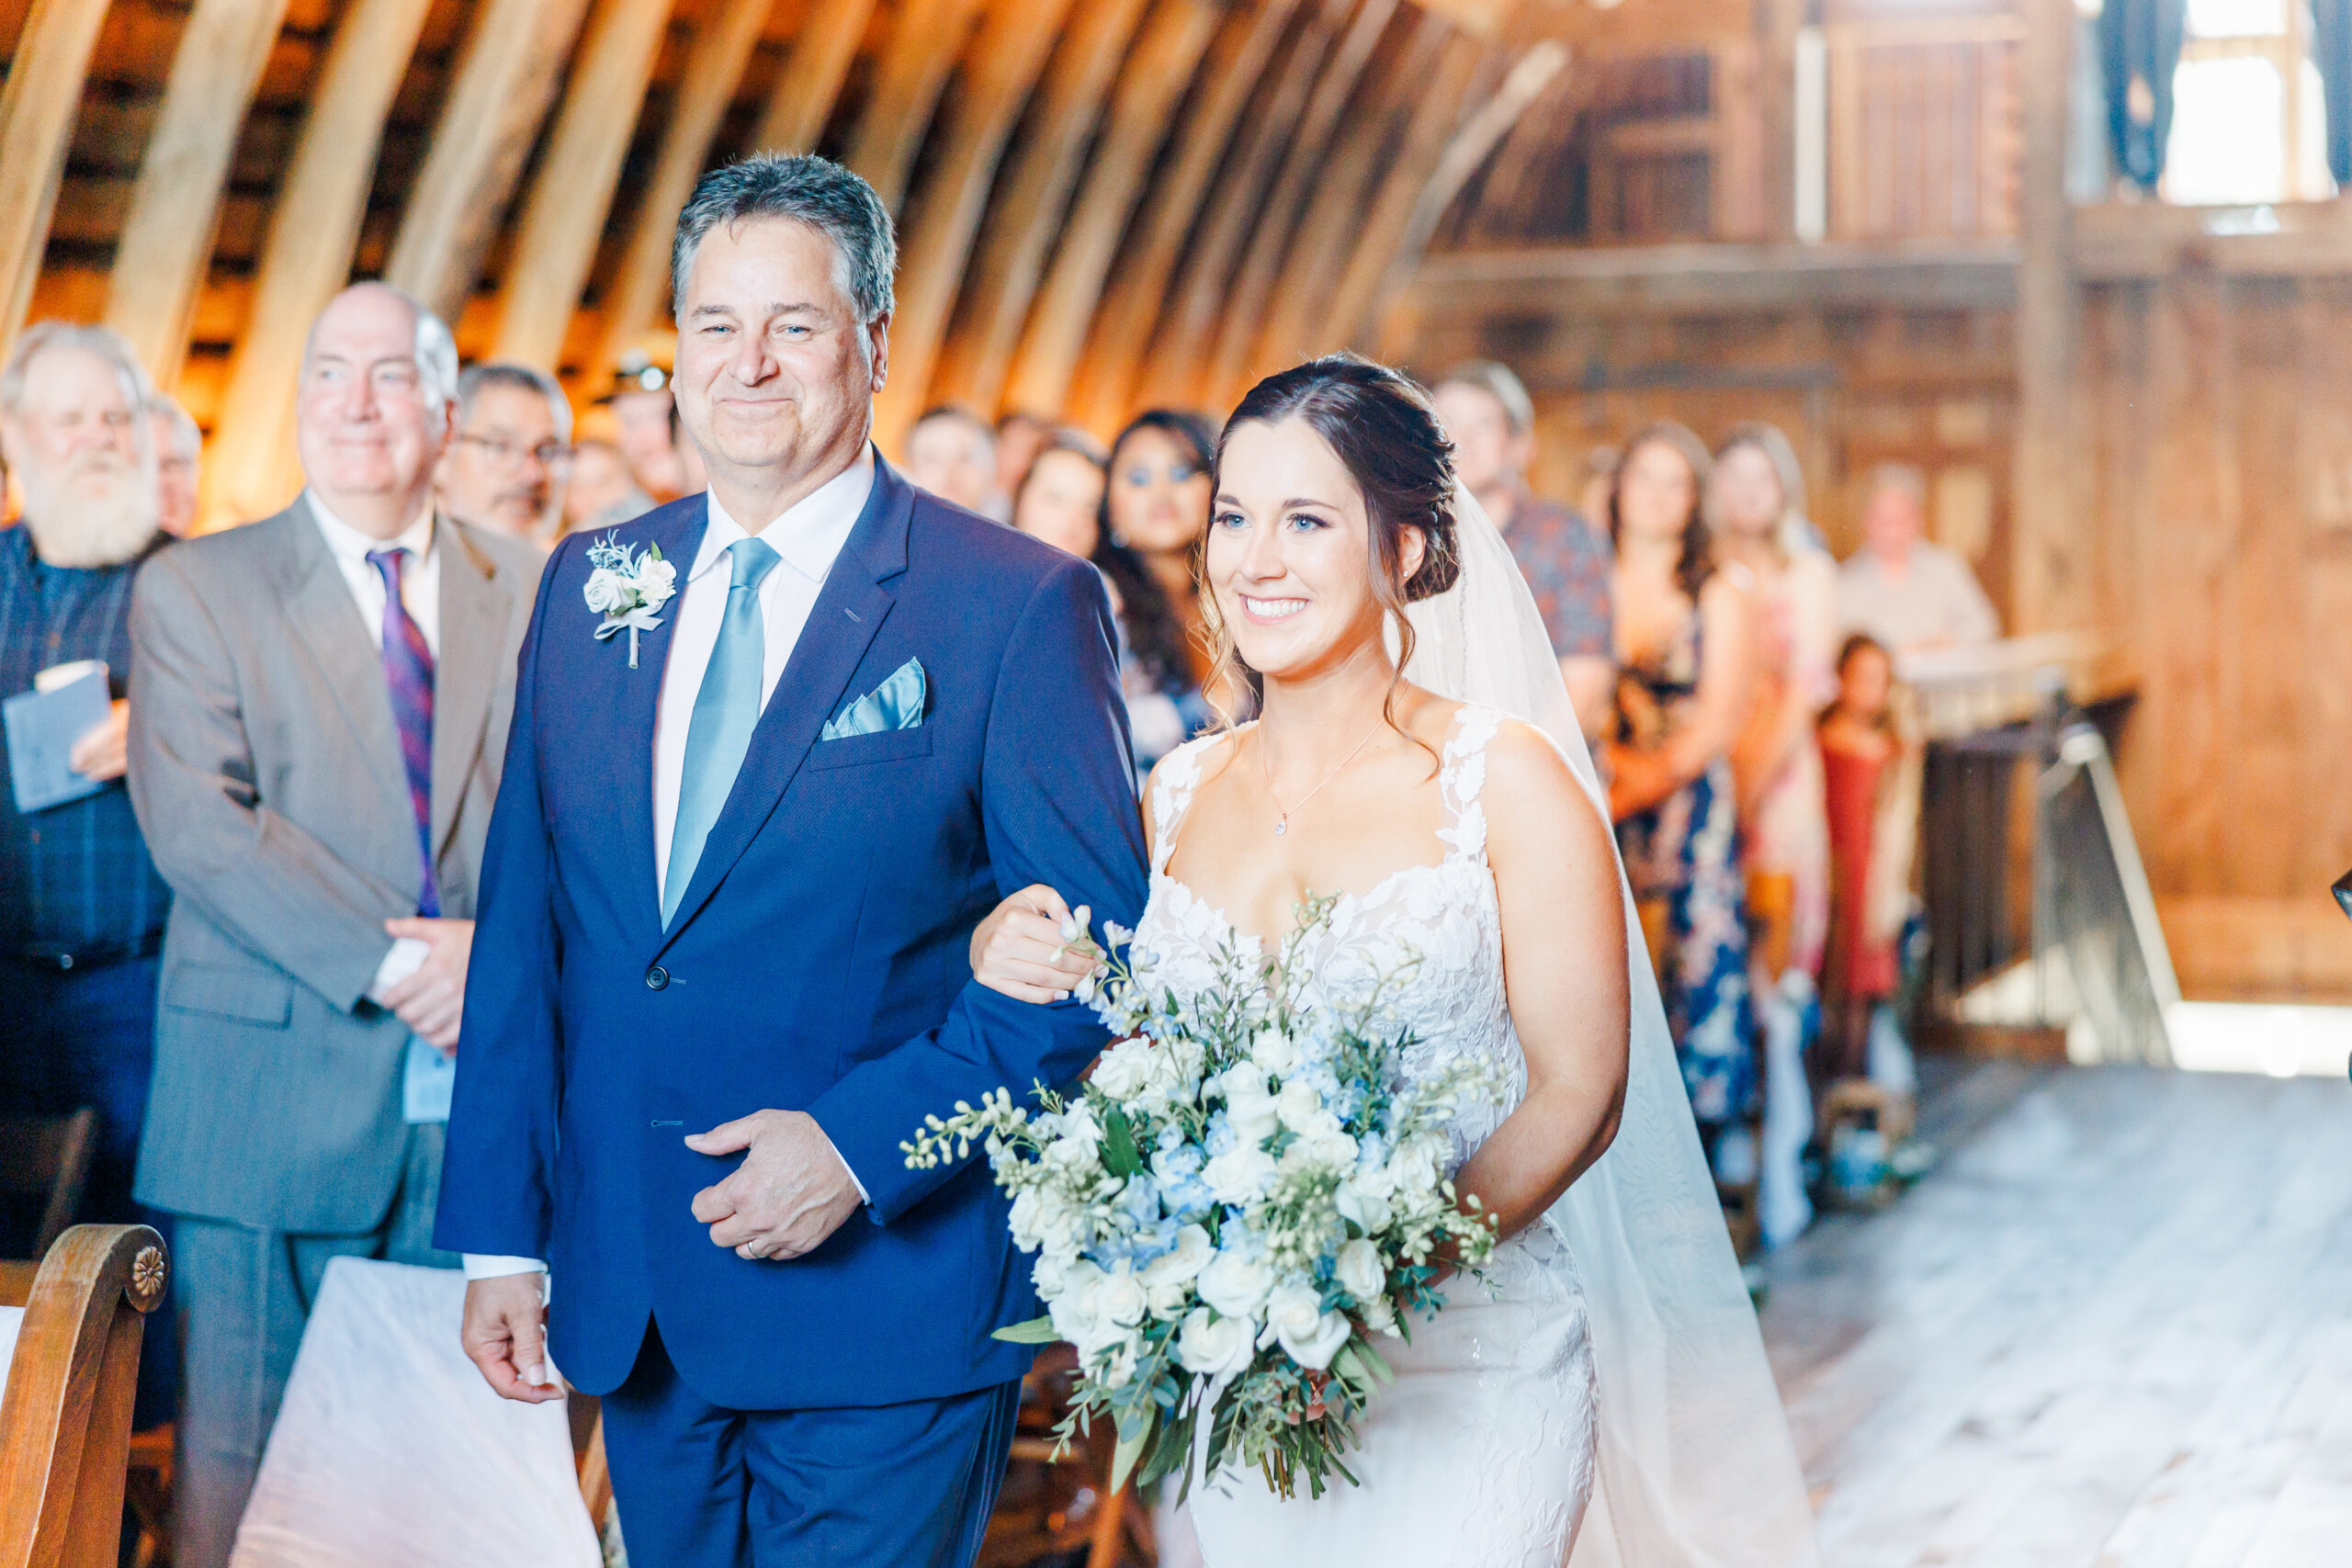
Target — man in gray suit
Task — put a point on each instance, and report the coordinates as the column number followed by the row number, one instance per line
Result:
column 320, row 704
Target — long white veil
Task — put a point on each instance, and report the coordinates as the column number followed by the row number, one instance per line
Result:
column 1694, row 1463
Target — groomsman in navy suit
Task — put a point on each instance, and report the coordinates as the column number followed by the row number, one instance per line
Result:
column 743, row 839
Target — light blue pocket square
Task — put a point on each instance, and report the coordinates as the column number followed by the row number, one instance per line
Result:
column 896, row 703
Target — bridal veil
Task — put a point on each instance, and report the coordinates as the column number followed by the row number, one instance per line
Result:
column 1694, row 1465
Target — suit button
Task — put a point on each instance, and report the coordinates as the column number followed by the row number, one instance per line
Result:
column 656, row 979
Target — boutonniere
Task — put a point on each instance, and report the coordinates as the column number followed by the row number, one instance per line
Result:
column 627, row 589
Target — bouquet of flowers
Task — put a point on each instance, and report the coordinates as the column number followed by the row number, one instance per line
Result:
column 1245, row 1193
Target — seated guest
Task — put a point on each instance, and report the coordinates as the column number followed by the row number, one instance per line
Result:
column 951, row 452
column 179, row 452
column 1060, row 499
column 1910, row 594
column 1492, row 419
column 1870, row 813
column 81, row 907
column 1154, row 514
column 319, row 713
column 1683, row 643
column 1020, row 436
column 603, row 494
column 508, row 464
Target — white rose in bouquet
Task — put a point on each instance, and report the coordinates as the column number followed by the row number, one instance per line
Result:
column 1274, row 1050
column 1359, row 1270
column 1168, row 1278
column 1235, row 1284
column 1363, row 1199
column 1072, row 1308
column 1119, row 1298
column 1295, row 1315
column 1379, row 1314
column 606, row 591
column 1250, row 1109
column 1215, row 1347
column 1239, row 1175
column 1124, row 1070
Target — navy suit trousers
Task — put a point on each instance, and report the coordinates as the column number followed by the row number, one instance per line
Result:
column 698, row 1485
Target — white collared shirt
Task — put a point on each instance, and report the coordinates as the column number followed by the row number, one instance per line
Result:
column 420, row 574
column 808, row 537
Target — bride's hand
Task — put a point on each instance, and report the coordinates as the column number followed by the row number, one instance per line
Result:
column 1019, row 951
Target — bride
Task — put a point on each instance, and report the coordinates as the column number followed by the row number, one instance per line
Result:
column 1599, row 1386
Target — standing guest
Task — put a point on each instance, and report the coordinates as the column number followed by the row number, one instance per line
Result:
column 951, row 452
column 1863, row 758
column 646, row 418
column 1060, row 499
column 1020, row 436
column 179, row 452
column 1756, row 509
column 1913, row 596
column 319, row 713
column 603, row 492
column 82, row 910
column 1154, row 514
column 1683, row 639
column 1491, row 421
column 506, row 468
column 1596, row 476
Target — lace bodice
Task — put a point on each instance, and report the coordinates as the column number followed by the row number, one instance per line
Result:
column 1437, row 926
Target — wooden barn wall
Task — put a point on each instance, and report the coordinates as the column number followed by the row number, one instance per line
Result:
column 2221, row 441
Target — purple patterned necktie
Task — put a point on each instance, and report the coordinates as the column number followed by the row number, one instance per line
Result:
column 408, row 669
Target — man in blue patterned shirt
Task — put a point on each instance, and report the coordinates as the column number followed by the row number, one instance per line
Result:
column 81, row 907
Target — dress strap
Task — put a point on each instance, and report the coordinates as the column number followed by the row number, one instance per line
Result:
column 1173, row 781
column 1461, row 776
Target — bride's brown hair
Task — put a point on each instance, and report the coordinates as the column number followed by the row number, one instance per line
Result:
column 1381, row 428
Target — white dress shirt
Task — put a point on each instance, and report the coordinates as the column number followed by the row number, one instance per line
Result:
column 807, row 538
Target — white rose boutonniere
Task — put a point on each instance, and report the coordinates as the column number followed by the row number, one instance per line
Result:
column 627, row 589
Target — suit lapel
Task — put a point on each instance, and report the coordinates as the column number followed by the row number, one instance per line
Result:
column 630, row 700
column 475, row 608
column 857, row 595
column 328, row 625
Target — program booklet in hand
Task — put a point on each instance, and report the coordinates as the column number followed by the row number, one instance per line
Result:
column 66, row 703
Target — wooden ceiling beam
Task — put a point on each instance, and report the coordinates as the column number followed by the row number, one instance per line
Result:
column 914, row 70
column 252, row 469
column 506, row 82
column 37, row 109
column 1020, row 224
column 572, row 195
column 1243, row 304
column 1424, row 184
column 1161, row 65
column 1343, row 192
column 714, row 70
column 943, row 212
column 822, row 52
column 1122, row 321
column 1166, row 374
column 160, row 261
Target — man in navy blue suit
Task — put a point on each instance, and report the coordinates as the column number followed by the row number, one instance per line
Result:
column 719, row 970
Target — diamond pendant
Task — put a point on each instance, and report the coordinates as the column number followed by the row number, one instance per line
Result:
column 1282, row 826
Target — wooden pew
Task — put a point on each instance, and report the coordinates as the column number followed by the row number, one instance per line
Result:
column 65, row 1420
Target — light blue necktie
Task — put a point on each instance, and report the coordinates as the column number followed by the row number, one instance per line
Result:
column 726, row 710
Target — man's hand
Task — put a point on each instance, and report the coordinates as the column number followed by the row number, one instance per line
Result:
column 105, row 752
column 505, row 1335
column 431, row 1001
column 791, row 1191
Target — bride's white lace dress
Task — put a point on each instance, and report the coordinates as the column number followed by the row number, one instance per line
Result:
column 1482, row 1450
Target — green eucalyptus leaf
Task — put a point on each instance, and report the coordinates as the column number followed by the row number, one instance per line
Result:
column 1120, row 1156
column 1036, row 1331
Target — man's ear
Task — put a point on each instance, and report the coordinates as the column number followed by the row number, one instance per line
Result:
column 878, row 337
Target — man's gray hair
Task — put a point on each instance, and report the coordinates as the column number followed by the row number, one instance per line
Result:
column 162, row 405
column 1902, row 478
column 807, row 189
column 522, row 379
column 1498, row 382
column 434, row 351
column 102, row 342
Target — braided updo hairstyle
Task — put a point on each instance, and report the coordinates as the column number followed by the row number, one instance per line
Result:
column 1381, row 428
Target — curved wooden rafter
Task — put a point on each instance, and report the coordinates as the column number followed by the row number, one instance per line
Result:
column 923, row 45
column 37, row 110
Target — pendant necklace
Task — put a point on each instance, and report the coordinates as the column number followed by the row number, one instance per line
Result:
column 1282, row 817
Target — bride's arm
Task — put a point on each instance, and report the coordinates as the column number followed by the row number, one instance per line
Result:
column 1018, row 949
column 1564, row 970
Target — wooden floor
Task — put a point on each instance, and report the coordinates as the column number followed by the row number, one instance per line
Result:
column 2112, row 1329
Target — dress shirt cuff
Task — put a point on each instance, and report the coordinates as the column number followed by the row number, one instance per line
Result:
column 491, row 1266
column 407, row 956
column 862, row 1196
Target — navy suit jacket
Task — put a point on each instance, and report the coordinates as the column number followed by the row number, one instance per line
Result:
column 818, row 962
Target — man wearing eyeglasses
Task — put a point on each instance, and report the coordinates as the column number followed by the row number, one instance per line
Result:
column 512, row 457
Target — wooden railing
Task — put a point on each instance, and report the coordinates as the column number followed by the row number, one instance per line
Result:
column 1923, row 135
